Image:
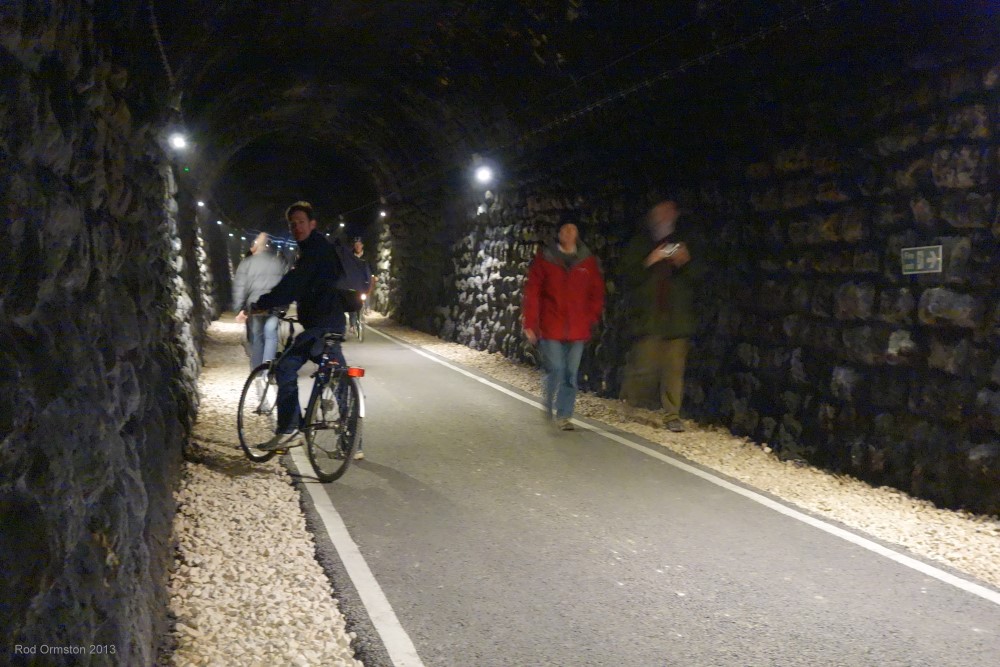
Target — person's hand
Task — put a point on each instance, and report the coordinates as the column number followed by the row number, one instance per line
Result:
column 241, row 317
column 655, row 255
column 531, row 336
column 681, row 257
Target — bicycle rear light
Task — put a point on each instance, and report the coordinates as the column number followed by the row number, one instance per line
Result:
column 355, row 372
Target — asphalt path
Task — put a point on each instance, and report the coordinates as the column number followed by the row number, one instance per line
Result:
column 475, row 534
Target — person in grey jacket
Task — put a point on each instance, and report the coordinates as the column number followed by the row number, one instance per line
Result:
column 256, row 275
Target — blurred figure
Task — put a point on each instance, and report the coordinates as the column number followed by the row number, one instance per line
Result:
column 563, row 300
column 369, row 283
column 257, row 274
column 661, row 280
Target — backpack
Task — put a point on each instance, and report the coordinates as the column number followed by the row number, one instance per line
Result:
column 354, row 279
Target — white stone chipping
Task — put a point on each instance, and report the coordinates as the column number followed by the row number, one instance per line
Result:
column 247, row 588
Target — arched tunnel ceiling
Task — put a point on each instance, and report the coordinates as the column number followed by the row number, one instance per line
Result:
column 377, row 90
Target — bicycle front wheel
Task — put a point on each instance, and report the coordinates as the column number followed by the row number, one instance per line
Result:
column 333, row 427
column 258, row 413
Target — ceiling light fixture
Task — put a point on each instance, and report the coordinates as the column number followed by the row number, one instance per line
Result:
column 178, row 141
column 484, row 174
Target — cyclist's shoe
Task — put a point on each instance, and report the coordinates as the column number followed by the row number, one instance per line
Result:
column 359, row 455
column 565, row 424
column 281, row 441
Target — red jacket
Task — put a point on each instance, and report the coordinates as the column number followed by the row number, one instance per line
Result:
column 563, row 303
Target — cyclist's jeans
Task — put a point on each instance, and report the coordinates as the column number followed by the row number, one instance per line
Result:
column 561, row 361
column 308, row 345
column 262, row 334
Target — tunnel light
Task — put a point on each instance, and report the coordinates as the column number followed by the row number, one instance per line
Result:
column 484, row 174
column 177, row 141
column 383, row 213
column 230, row 234
column 243, row 238
column 341, row 225
column 201, row 204
column 218, row 222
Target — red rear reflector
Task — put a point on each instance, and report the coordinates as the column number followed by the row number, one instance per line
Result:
column 355, row 372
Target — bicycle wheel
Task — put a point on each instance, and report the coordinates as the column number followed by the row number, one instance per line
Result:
column 258, row 413
column 361, row 328
column 333, row 427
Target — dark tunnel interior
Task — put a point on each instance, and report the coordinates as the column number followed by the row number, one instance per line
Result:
column 810, row 144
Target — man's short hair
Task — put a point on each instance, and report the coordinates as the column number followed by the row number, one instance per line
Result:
column 303, row 206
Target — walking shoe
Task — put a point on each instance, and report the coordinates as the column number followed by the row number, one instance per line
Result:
column 675, row 426
column 359, row 455
column 566, row 425
column 281, row 441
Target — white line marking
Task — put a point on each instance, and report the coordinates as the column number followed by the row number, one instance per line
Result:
column 397, row 643
column 906, row 561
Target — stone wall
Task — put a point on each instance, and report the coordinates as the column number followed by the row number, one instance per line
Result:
column 847, row 361
column 102, row 301
column 811, row 340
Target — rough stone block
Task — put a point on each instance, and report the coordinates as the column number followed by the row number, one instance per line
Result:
column 844, row 382
column 900, row 141
column 865, row 344
column 854, row 301
column 940, row 305
column 963, row 167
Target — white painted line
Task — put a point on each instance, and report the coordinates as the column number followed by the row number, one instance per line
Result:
column 397, row 643
column 906, row 561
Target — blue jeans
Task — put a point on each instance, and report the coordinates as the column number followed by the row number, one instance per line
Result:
column 308, row 345
column 561, row 361
column 262, row 334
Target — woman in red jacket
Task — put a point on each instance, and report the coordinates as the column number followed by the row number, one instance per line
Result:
column 563, row 299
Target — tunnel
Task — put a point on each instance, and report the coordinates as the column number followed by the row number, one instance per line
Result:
column 816, row 149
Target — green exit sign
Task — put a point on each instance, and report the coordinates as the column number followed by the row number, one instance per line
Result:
column 925, row 259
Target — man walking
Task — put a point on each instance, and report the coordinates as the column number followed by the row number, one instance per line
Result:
column 563, row 300
column 661, row 279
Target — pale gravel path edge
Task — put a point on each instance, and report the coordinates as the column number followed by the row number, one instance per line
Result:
column 246, row 587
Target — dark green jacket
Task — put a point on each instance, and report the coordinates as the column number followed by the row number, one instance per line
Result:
column 661, row 300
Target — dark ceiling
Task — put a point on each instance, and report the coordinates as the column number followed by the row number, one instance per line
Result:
column 341, row 101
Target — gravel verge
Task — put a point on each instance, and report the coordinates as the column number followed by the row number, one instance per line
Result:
column 247, row 587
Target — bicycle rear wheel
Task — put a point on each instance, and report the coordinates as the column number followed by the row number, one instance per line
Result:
column 333, row 427
column 257, row 415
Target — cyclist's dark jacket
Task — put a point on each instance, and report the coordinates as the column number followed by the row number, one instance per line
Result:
column 310, row 284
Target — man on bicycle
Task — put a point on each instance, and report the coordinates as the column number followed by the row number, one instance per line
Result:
column 366, row 286
column 321, row 309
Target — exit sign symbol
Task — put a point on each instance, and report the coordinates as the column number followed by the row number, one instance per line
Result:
column 925, row 259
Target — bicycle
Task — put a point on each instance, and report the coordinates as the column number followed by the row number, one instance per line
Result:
column 356, row 320
column 333, row 419
column 360, row 326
